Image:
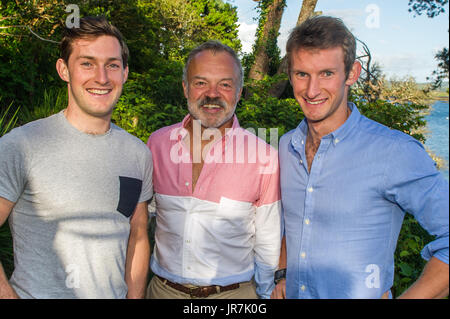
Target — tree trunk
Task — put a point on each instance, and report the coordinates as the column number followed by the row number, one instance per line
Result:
column 269, row 29
column 306, row 12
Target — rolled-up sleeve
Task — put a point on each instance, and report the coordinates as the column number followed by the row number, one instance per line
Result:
column 421, row 190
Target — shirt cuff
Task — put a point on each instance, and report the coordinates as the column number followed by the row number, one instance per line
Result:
column 264, row 280
column 437, row 248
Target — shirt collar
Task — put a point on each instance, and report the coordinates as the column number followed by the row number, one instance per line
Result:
column 299, row 137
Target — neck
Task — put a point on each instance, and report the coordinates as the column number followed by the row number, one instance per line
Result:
column 86, row 123
column 201, row 138
column 317, row 130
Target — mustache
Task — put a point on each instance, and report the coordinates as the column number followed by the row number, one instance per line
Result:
column 215, row 101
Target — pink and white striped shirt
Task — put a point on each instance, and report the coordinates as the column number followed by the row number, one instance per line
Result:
column 227, row 229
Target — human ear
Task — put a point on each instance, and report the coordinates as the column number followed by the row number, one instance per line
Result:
column 354, row 73
column 63, row 70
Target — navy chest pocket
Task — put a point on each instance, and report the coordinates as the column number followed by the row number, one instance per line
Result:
column 130, row 191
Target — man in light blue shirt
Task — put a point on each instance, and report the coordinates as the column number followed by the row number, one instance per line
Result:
column 347, row 181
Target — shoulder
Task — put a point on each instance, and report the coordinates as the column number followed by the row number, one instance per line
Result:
column 32, row 131
column 164, row 133
column 381, row 132
column 285, row 141
column 128, row 141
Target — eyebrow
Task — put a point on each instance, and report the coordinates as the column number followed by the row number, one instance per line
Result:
column 323, row 70
column 206, row 79
column 93, row 58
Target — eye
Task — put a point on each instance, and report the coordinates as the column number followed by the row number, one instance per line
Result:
column 300, row 74
column 86, row 64
column 199, row 83
column 114, row 66
column 226, row 86
column 327, row 73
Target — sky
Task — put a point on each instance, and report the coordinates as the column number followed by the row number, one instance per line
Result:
column 404, row 44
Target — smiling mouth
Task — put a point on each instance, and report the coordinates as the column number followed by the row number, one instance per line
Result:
column 211, row 106
column 99, row 91
column 315, row 102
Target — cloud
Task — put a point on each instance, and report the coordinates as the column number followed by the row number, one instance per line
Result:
column 401, row 65
column 247, row 36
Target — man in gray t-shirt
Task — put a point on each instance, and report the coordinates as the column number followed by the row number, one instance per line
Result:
column 75, row 186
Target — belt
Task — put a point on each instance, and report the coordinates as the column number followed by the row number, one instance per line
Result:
column 200, row 291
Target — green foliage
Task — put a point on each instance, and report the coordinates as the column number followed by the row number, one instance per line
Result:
column 442, row 72
column 160, row 34
column 269, row 41
column 261, row 110
column 137, row 113
column 52, row 101
column 27, row 63
column 7, row 122
column 408, row 262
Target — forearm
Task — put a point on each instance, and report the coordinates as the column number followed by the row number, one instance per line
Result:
column 138, row 253
column 138, row 256
column 6, row 291
column 432, row 283
column 280, row 289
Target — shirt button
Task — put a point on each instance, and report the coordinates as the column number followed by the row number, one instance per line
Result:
column 303, row 142
column 303, row 255
column 301, row 162
column 310, row 189
column 307, row 221
column 336, row 140
column 303, row 288
column 187, row 184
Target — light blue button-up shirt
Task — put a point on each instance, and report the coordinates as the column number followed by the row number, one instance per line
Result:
column 342, row 219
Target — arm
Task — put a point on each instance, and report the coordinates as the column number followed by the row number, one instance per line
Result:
column 280, row 289
column 6, row 291
column 420, row 189
column 138, row 253
column 432, row 283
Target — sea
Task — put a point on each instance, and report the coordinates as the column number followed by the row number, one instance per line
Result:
column 437, row 139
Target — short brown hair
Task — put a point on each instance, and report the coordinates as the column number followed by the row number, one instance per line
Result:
column 91, row 27
column 322, row 32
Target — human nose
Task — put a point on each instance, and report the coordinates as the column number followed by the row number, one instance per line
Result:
column 101, row 76
column 212, row 91
column 313, row 88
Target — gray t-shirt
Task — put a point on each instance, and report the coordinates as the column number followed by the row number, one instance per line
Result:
column 74, row 195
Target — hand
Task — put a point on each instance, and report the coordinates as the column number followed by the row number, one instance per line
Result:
column 279, row 292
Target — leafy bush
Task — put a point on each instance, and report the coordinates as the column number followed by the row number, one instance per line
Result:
column 260, row 110
column 408, row 262
column 137, row 113
column 7, row 122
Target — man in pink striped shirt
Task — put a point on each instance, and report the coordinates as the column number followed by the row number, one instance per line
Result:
column 216, row 190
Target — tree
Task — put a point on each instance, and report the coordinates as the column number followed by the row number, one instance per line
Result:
column 265, row 50
column 442, row 72
column 306, row 12
column 431, row 7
